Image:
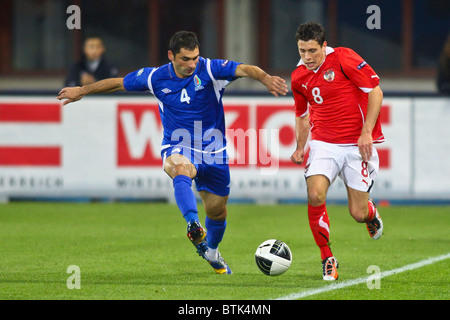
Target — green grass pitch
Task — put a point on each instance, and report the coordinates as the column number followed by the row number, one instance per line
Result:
column 140, row 251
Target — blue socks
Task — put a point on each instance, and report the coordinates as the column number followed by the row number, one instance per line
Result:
column 215, row 231
column 185, row 197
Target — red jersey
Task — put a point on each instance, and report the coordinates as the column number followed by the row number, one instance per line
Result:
column 336, row 96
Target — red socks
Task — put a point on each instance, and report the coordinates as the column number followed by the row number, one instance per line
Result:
column 320, row 227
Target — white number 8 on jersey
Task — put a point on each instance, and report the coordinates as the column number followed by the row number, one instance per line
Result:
column 316, row 94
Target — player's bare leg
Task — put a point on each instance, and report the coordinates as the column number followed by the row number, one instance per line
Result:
column 317, row 189
column 319, row 223
column 215, row 222
column 364, row 210
column 357, row 204
column 215, row 206
column 177, row 164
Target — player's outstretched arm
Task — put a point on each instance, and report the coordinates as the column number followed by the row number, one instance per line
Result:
column 72, row 94
column 274, row 84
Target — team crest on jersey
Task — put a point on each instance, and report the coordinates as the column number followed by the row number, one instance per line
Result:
column 198, row 83
column 328, row 75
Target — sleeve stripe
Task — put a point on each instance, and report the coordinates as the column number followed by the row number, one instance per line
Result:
column 149, row 81
column 366, row 90
column 218, row 84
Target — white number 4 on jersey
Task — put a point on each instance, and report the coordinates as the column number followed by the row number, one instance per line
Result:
column 185, row 97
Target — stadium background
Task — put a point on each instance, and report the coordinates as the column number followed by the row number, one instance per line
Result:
column 86, row 151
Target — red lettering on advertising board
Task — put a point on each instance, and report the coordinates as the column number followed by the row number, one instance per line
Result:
column 139, row 135
column 277, row 121
column 239, row 137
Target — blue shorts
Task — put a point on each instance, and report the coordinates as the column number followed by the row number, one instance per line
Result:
column 213, row 172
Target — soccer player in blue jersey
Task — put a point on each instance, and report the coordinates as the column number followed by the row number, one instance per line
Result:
column 189, row 90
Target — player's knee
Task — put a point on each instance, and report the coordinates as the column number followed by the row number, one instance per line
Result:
column 181, row 169
column 359, row 214
column 174, row 169
column 316, row 197
column 217, row 213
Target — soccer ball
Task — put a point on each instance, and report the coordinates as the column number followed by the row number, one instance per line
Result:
column 273, row 257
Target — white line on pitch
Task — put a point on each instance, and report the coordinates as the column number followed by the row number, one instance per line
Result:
column 340, row 285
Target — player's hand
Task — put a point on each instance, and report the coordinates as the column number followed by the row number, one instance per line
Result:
column 71, row 94
column 298, row 157
column 365, row 146
column 275, row 85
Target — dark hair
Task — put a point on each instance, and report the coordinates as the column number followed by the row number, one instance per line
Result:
column 183, row 39
column 311, row 31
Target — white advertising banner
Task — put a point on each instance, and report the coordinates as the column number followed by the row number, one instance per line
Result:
column 432, row 147
column 109, row 147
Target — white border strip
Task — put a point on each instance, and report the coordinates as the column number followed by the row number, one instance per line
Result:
column 340, row 285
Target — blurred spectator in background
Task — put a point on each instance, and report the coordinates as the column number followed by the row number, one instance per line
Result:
column 443, row 81
column 93, row 65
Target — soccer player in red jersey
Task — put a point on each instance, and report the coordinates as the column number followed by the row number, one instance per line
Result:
column 337, row 101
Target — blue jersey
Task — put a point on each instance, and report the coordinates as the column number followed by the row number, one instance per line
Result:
column 191, row 109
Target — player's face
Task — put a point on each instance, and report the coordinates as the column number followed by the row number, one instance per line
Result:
column 93, row 48
column 184, row 62
column 312, row 53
